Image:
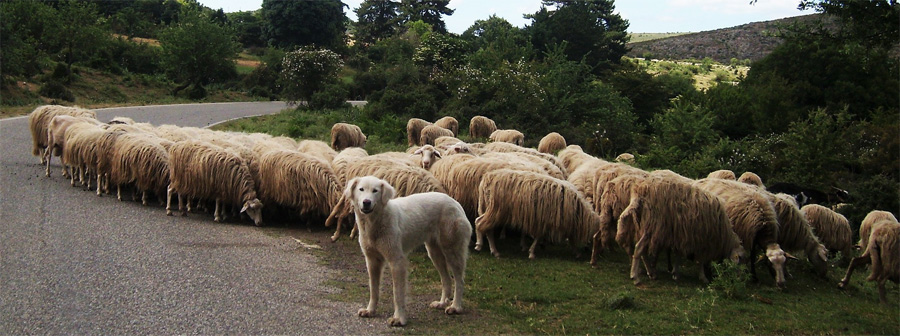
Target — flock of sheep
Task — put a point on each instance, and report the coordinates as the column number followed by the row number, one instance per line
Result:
column 555, row 194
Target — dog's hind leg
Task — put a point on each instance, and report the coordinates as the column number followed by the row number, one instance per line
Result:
column 456, row 260
column 375, row 265
column 440, row 262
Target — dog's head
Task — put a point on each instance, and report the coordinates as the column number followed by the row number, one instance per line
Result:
column 368, row 193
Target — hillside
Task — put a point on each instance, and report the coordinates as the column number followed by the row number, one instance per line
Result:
column 751, row 41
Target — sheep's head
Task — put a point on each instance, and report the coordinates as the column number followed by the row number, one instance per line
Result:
column 253, row 208
column 818, row 257
column 459, row 148
column 429, row 155
column 738, row 255
column 778, row 258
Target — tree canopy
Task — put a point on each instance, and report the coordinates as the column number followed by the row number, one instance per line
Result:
column 290, row 24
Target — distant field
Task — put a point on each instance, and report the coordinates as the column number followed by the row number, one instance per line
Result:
column 641, row 37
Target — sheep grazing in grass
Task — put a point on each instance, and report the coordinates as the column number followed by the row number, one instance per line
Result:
column 666, row 214
column 449, row 123
column 81, row 151
column 431, row 132
column 508, row 135
column 865, row 227
column 56, row 136
column 883, row 253
column 538, row 205
column 317, row 148
column 614, row 198
column 441, row 169
column 39, row 120
column 298, row 181
column 600, row 175
column 481, row 127
column 552, row 143
column 414, row 131
column 754, row 220
column 626, row 158
column 795, row 234
column 346, row 135
column 723, row 174
column 205, row 171
column 832, row 228
column 751, row 179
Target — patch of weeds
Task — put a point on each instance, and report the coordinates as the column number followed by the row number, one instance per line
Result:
column 730, row 280
column 621, row 300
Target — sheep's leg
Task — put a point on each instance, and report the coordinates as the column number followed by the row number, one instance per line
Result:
column 181, row 205
column 596, row 246
column 491, row 243
column 144, row 197
column 48, row 164
column 479, row 236
column 354, row 231
column 440, row 262
column 533, row 247
column 99, row 185
column 218, row 213
column 882, row 292
column 169, row 201
column 639, row 250
column 119, row 192
column 704, row 268
column 854, row 263
column 189, row 208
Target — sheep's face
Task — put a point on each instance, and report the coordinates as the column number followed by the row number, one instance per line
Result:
column 253, row 208
column 369, row 193
column 777, row 257
column 429, row 155
column 738, row 255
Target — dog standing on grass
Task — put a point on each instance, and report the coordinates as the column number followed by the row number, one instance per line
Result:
column 390, row 228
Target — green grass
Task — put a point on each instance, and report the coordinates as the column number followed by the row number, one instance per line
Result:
column 560, row 294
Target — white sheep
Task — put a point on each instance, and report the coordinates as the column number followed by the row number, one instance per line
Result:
column 832, row 228
column 298, row 181
column 508, row 135
column 865, row 227
column 481, row 127
column 56, row 136
column 414, row 131
column 346, row 135
column 39, row 120
column 551, row 143
column 431, row 132
column 449, row 123
column 883, row 253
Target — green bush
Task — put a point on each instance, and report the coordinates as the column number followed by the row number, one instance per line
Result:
column 333, row 96
column 56, row 90
column 730, row 279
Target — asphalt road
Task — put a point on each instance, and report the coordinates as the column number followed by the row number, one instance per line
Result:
column 73, row 263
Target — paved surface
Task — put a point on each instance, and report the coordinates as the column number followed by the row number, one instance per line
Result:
column 73, row 263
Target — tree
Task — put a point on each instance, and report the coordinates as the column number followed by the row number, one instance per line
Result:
column 197, row 51
column 248, row 28
column 289, row 24
column 308, row 70
column 428, row 11
column 377, row 19
column 27, row 27
column 80, row 32
column 495, row 40
column 590, row 29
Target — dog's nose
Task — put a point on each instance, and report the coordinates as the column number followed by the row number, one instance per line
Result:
column 367, row 203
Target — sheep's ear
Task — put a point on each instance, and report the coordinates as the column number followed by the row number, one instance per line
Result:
column 387, row 192
column 790, row 257
column 437, row 154
column 348, row 192
column 246, row 206
column 418, row 151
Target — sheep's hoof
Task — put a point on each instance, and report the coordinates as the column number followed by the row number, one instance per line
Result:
column 334, row 238
column 363, row 312
column 218, row 219
column 496, row 255
column 439, row 304
column 453, row 310
column 397, row 321
column 477, row 247
column 842, row 285
column 168, row 212
column 531, row 256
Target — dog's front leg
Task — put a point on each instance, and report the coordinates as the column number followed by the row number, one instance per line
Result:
column 399, row 275
column 375, row 265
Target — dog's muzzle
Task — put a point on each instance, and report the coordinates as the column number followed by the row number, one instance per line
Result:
column 367, row 206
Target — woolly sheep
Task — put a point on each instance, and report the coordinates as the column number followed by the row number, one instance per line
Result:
column 431, row 132
column 173, row 133
column 573, row 157
column 142, row 159
column 795, row 233
column 754, row 220
column 414, row 131
column 551, row 143
column 832, row 228
column 723, row 174
column 751, row 179
column 595, row 177
column 347, row 135
column 121, row 120
column 865, row 227
column 508, row 135
column 627, row 158
column 209, row 172
column 614, row 198
column 540, row 206
column 56, row 136
column 298, row 181
column 546, row 166
column 40, row 118
column 504, row 147
column 317, row 148
column 446, row 141
column 481, row 127
column 429, row 155
column 882, row 253
column 81, row 151
column 670, row 215
column 343, row 159
column 449, row 123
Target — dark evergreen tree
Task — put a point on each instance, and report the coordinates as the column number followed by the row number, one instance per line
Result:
column 377, row 20
column 290, row 24
column 428, row 11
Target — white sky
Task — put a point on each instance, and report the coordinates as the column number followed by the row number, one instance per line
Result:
column 645, row 16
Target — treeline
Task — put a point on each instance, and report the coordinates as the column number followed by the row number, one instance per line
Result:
column 819, row 111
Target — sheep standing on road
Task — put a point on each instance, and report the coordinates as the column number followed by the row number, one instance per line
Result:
column 551, row 143
column 883, row 252
column 540, row 206
column 481, row 127
column 345, row 135
column 81, row 151
column 449, row 123
column 832, row 228
column 56, row 137
column 298, row 181
column 39, row 120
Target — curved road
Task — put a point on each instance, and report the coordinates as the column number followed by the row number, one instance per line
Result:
column 73, row 263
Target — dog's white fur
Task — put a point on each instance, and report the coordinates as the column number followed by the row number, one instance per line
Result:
column 391, row 228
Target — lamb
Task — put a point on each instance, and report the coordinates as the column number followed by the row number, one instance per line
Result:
column 56, row 136
column 540, row 206
column 40, row 118
column 431, row 132
column 883, row 252
column 865, row 227
column 552, row 143
column 317, row 148
column 754, row 220
column 723, row 174
column 210, row 172
column 573, row 157
column 414, row 131
column 299, row 181
column 627, row 158
column 796, row 234
column 481, row 127
column 614, row 198
column 670, row 215
column 346, row 135
column 449, row 123
column 510, row 136
column 832, row 228
column 751, row 178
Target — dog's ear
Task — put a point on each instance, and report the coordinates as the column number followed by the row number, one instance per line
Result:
column 348, row 192
column 387, row 192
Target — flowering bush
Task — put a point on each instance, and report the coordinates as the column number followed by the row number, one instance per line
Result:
column 307, row 70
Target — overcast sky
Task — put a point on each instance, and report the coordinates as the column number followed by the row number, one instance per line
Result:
column 645, row 16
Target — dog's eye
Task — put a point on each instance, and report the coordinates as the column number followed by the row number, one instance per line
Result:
column 361, row 189
column 374, row 190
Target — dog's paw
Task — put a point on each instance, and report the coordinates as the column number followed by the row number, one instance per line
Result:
column 439, row 304
column 453, row 310
column 397, row 321
column 363, row 312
